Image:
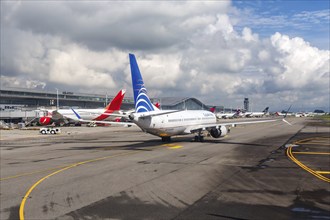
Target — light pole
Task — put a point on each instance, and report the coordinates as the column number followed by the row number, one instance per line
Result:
column 57, row 99
column 106, row 98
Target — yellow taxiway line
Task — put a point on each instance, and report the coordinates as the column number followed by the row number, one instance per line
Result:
column 318, row 153
column 289, row 153
column 314, row 143
column 323, row 172
column 315, row 173
column 22, row 205
column 172, row 146
column 33, row 172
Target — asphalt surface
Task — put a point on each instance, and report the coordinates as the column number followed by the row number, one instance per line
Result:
column 123, row 173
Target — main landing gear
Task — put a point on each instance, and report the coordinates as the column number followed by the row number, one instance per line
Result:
column 166, row 139
column 199, row 137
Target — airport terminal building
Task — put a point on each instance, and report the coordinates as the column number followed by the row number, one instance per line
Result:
column 17, row 103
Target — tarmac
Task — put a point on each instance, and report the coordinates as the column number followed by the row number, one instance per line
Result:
column 258, row 171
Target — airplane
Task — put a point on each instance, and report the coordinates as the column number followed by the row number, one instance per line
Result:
column 93, row 115
column 168, row 123
column 224, row 115
column 285, row 113
column 256, row 114
column 46, row 118
column 123, row 114
column 235, row 114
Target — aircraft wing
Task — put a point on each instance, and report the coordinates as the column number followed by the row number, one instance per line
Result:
column 108, row 122
column 203, row 127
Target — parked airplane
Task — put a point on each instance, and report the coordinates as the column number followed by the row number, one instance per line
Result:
column 124, row 115
column 226, row 115
column 124, row 123
column 167, row 123
column 285, row 113
column 46, row 118
column 256, row 114
column 94, row 115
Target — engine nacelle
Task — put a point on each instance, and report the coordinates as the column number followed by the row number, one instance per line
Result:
column 218, row 132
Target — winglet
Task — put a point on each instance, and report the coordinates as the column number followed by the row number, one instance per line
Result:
column 286, row 113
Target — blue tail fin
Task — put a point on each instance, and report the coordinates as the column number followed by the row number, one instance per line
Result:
column 265, row 110
column 77, row 115
column 141, row 99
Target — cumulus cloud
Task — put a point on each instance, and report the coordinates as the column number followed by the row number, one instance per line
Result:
column 305, row 66
column 80, row 67
column 198, row 49
column 15, row 82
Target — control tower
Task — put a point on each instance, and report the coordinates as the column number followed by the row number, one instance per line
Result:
column 246, row 104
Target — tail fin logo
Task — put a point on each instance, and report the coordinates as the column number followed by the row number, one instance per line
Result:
column 212, row 109
column 142, row 101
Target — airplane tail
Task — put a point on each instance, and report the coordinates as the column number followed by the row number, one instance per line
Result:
column 115, row 104
column 141, row 99
column 157, row 105
column 237, row 113
column 212, row 109
column 265, row 110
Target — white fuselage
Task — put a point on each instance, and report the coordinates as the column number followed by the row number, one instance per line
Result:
column 173, row 123
column 86, row 114
column 254, row 114
column 225, row 115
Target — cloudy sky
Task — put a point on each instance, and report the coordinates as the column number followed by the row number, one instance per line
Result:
column 276, row 53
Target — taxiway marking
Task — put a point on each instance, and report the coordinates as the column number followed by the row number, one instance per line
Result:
column 172, row 146
column 323, row 172
column 23, row 202
column 320, row 153
column 22, row 205
column 33, row 172
column 315, row 173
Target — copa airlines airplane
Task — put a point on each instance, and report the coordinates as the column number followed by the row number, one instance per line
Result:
column 168, row 123
column 93, row 115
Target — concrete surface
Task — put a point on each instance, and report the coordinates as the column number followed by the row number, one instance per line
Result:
column 123, row 173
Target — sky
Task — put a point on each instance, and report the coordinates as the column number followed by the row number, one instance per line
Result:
column 276, row 53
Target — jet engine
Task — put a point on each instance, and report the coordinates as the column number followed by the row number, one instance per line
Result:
column 218, row 132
